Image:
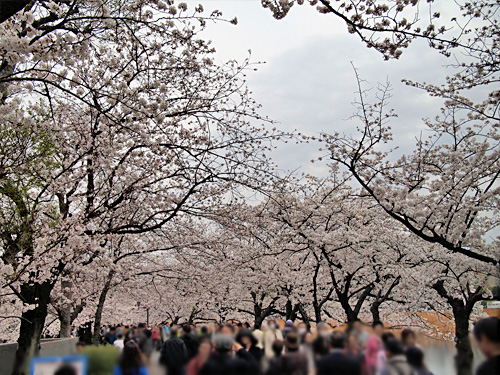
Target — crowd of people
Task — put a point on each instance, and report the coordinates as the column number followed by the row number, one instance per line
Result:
column 295, row 349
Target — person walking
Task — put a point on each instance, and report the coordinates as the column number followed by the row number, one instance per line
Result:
column 190, row 341
column 306, row 347
column 336, row 362
column 487, row 334
column 415, row 358
column 221, row 362
column 271, row 334
column 361, row 335
column 119, row 342
column 294, row 362
column 204, row 352
column 259, row 335
column 130, row 362
column 320, row 344
column 396, row 363
column 248, row 341
column 373, row 346
column 274, row 367
column 173, row 354
column 145, row 342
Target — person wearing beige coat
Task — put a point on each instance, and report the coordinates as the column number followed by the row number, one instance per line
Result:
column 270, row 335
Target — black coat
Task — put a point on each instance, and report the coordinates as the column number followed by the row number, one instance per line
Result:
column 222, row 364
column 320, row 347
column 274, row 367
column 337, row 363
column 191, row 344
column 256, row 352
column 490, row 367
column 173, row 355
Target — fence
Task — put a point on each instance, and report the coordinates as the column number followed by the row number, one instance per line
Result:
column 49, row 347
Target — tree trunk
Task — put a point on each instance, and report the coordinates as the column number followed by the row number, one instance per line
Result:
column 32, row 325
column 305, row 317
column 291, row 311
column 65, row 313
column 374, row 309
column 464, row 351
column 100, row 306
column 259, row 319
column 317, row 313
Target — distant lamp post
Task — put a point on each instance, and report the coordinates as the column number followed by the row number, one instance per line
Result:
column 147, row 312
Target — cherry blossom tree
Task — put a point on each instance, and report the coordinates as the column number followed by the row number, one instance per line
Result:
column 120, row 121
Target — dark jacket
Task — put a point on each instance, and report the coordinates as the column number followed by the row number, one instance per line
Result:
column 337, row 363
column 489, row 367
column 294, row 363
column 274, row 367
column 256, row 352
column 191, row 344
column 320, row 347
column 173, row 355
column 222, row 364
column 145, row 341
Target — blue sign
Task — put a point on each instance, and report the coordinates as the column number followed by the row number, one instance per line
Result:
column 65, row 365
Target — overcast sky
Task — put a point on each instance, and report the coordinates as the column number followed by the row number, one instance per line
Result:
column 307, row 82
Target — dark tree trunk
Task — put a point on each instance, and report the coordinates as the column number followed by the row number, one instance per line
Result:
column 32, row 325
column 66, row 310
column 317, row 314
column 461, row 314
column 291, row 311
column 100, row 306
column 464, row 351
column 374, row 309
column 304, row 315
column 259, row 319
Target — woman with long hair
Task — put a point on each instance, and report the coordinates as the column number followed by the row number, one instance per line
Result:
column 130, row 362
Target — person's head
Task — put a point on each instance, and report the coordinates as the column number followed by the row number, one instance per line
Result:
column 302, row 328
column 337, row 340
column 289, row 323
column 415, row 357
column 357, row 325
column 204, row 347
column 246, row 325
column 277, row 347
column 141, row 326
column 323, row 329
column 79, row 346
column 223, row 343
column 486, row 332
column 174, row 332
column 227, row 329
column 386, row 336
column 204, row 330
column 112, row 330
column 131, row 358
column 271, row 324
column 186, row 329
column 393, row 347
column 408, row 337
column 246, row 338
column 292, row 342
column 119, row 336
column 378, row 328
column 66, row 369
column 308, row 338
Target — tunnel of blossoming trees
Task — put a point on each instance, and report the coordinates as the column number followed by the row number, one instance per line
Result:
column 156, row 172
